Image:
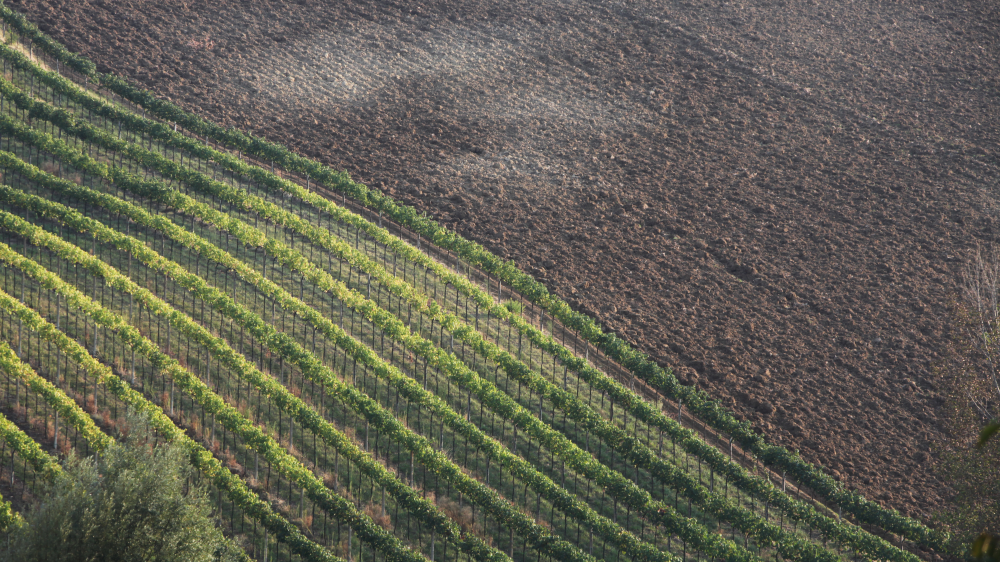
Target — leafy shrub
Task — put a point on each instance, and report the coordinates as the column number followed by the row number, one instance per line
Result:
column 133, row 502
column 970, row 373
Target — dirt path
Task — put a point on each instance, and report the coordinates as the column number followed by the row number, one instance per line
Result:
column 774, row 197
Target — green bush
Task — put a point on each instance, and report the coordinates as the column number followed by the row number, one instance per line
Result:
column 970, row 373
column 133, row 502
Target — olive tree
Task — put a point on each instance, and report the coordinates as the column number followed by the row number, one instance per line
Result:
column 135, row 501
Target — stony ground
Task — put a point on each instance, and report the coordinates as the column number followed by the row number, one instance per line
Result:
column 776, row 198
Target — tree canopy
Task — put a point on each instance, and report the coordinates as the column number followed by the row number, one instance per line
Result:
column 136, row 501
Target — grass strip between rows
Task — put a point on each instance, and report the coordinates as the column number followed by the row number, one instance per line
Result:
column 43, row 463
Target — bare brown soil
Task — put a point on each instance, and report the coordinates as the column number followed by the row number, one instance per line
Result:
column 774, row 197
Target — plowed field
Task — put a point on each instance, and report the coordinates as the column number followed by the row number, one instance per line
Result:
column 773, row 197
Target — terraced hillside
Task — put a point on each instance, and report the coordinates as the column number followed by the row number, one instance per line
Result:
column 353, row 381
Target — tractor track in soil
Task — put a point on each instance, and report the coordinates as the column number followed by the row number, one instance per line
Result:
column 774, row 198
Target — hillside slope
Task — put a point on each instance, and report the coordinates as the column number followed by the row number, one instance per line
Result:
column 774, row 197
